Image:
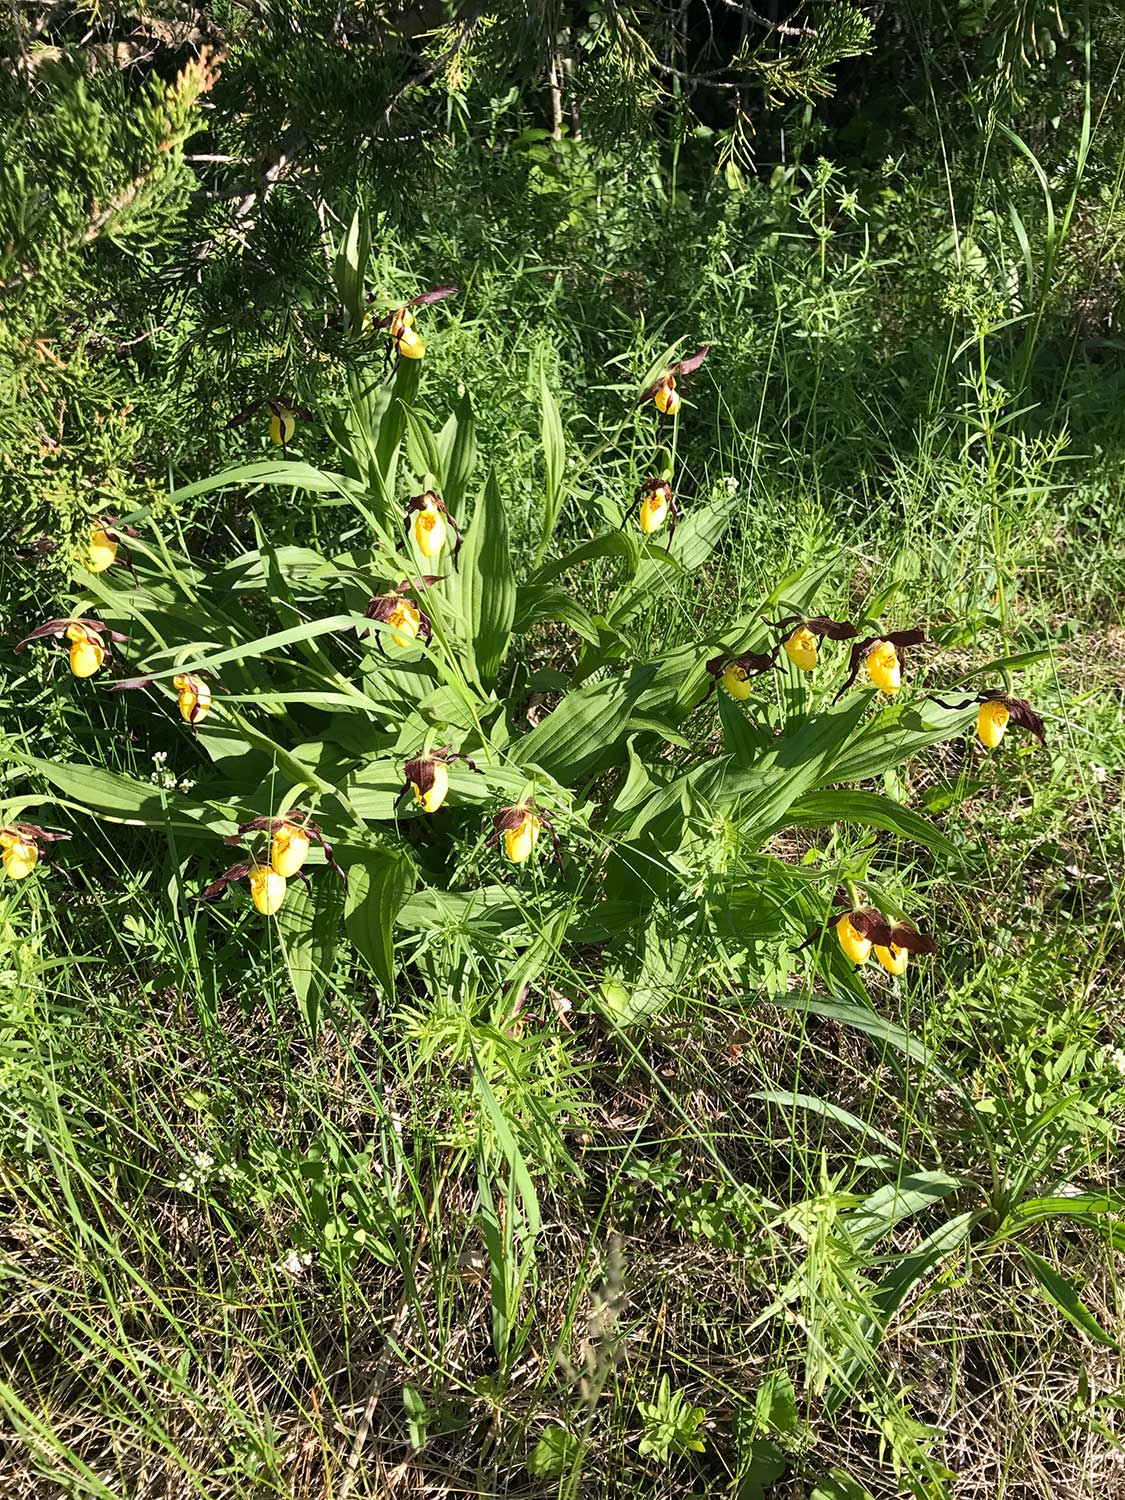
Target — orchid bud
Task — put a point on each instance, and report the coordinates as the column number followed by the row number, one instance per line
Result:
column 283, row 423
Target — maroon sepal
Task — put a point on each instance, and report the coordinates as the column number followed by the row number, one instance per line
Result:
column 217, row 887
column 297, row 818
column 753, row 663
column 33, row 834
column 872, row 924
column 821, row 626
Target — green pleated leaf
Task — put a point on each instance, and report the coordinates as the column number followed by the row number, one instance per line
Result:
column 457, row 445
column 423, row 453
column 291, row 473
column 893, row 736
column 554, row 458
column 870, row 810
column 122, row 799
column 612, row 544
column 485, row 585
column 380, row 881
column 584, row 728
column 537, row 602
column 766, row 790
column 307, row 927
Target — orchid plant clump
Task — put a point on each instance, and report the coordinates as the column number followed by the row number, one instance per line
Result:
column 394, row 704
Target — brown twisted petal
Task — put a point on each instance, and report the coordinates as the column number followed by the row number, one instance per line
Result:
column 1021, row 713
column 36, row 834
column 420, row 772
column 217, row 887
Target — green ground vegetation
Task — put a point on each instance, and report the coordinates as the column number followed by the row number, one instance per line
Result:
column 611, row 1176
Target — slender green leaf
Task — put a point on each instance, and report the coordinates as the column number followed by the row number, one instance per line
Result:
column 380, row 881
column 871, row 810
column 1059, row 1290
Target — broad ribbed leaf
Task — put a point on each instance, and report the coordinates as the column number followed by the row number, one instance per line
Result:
column 584, row 728
column 536, row 602
column 554, row 451
column 307, row 926
column 823, row 809
column 422, row 451
column 486, row 583
column 457, row 445
column 1058, row 1289
column 612, row 544
column 123, row 799
column 288, row 472
column 893, row 736
column 380, row 881
column 766, row 791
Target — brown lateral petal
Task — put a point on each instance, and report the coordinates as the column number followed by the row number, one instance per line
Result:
column 1025, row 716
column 904, row 637
column 509, row 817
column 902, row 935
column 872, row 924
column 435, row 294
column 833, row 630
column 693, row 362
column 217, row 887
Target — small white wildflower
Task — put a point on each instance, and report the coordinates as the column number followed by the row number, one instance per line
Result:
column 159, row 757
column 203, row 1160
column 1115, row 1059
column 295, row 1262
column 186, row 1182
column 1099, row 775
column 186, row 785
column 730, row 484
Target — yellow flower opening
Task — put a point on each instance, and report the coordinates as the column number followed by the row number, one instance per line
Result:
column 654, row 510
column 101, row 550
column 801, row 648
column 86, row 652
column 194, row 697
column 289, row 849
column 283, row 424
column 429, row 530
column 736, row 680
column 435, row 795
column 893, row 958
column 405, row 621
column 522, row 839
column 883, row 667
column 267, row 890
column 992, row 722
column 666, row 397
column 856, row 947
column 405, row 337
column 20, row 855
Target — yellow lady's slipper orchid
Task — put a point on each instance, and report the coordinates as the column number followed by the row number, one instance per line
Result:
column 405, row 620
column 20, row 855
column 883, row 667
column 992, row 722
column 101, row 550
column 289, row 848
column 654, row 508
column 522, row 839
column 267, row 890
column 405, row 337
column 194, row 697
column 856, row 947
column 86, row 652
column 802, row 648
column 666, row 397
column 431, row 796
column 429, row 529
column 283, row 423
column 893, row 958
column 736, row 680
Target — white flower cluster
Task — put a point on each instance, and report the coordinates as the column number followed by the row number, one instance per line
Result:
column 165, row 779
column 204, row 1170
column 1114, row 1060
column 295, row 1262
